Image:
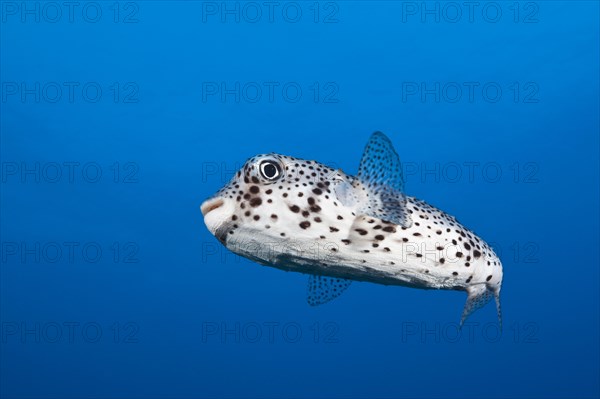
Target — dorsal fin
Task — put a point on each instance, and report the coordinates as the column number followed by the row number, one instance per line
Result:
column 377, row 190
column 380, row 164
column 322, row 289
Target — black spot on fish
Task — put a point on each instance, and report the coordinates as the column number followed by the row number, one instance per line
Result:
column 254, row 202
column 305, row 225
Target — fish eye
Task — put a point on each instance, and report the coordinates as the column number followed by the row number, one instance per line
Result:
column 270, row 169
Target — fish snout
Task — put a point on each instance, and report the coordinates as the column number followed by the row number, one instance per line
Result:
column 210, row 205
column 217, row 212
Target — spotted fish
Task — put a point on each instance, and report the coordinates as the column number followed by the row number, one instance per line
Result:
column 303, row 216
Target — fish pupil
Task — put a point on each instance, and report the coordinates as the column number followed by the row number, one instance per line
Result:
column 270, row 170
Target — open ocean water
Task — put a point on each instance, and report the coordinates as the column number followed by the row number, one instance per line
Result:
column 118, row 118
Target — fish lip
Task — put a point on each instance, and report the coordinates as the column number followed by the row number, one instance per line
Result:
column 210, row 205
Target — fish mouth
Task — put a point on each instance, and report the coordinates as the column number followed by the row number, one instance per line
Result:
column 210, row 205
column 217, row 212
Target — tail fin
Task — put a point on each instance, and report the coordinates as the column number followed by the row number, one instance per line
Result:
column 498, row 307
column 478, row 296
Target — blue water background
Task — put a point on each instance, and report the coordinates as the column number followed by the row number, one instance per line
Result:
column 176, row 144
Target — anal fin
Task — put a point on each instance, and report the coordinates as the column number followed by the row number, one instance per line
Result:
column 322, row 289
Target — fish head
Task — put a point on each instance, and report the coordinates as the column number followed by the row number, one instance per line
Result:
column 273, row 197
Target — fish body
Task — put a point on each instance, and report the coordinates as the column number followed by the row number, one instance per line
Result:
column 303, row 216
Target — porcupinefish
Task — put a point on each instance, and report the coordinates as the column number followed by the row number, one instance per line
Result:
column 303, row 216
